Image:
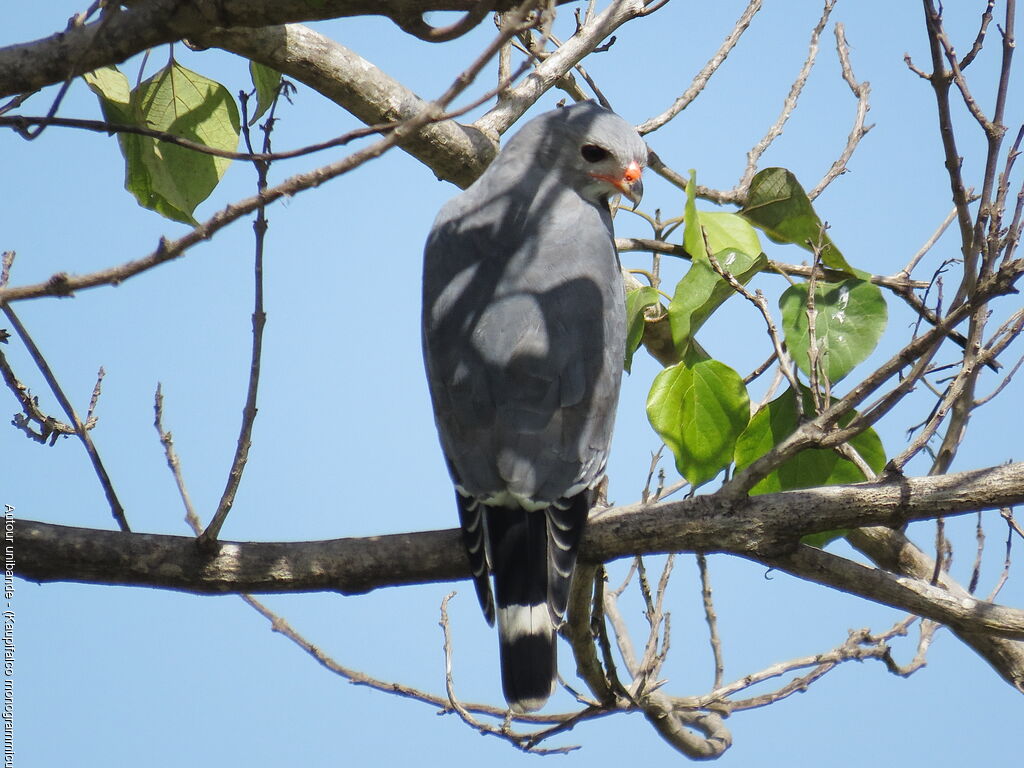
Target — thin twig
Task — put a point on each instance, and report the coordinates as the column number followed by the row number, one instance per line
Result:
column 926, row 634
column 895, row 283
column 1002, row 384
column 650, row 664
column 979, row 40
column 6, row 262
column 862, row 92
column 929, row 244
column 80, row 429
column 523, row 741
column 259, row 320
column 49, row 427
column 758, row 300
column 701, row 79
column 94, row 400
column 167, row 441
column 859, row 646
column 622, row 637
column 712, row 620
column 1004, row 575
column 979, row 537
column 790, row 102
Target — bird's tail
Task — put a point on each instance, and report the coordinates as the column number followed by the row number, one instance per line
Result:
column 532, row 555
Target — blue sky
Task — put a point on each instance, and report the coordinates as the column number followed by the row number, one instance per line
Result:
column 345, row 445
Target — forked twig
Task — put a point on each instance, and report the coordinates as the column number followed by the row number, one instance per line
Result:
column 80, row 429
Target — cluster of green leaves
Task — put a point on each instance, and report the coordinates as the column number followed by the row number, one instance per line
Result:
column 700, row 406
column 164, row 177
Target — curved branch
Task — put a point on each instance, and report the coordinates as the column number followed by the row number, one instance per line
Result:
column 148, row 23
column 417, row 27
column 674, row 727
column 454, row 152
column 893, row 551
column 701, row 78
column 917, row 596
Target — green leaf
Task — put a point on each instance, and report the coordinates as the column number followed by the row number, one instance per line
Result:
column 693, row 241
column 699, row 408
column 729, row 230
column 809, row 468
column 171, row 179
column 266, row 81
column 850, row 319
column 820, row 540
column 778, row 205
column 114, row 94
column 164, row 177
column 702, row 290
column 637, row 301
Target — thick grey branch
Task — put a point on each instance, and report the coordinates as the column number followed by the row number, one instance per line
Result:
column 454, row 152
column 771, row 527
column 147, row 23
column 46, row 552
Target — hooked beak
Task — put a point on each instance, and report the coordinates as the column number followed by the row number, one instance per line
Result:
column 635, row 192
column 631, row 185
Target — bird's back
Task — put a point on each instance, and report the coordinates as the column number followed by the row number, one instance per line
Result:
column 524, row 336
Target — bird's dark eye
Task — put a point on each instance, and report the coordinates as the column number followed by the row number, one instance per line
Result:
column 593, row 153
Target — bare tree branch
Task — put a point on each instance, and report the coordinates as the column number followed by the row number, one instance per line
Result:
column 914, row 595
column 701, row 78
column 893, row 551
column 861, row 90
column 455, row 152
column 515, row 101
column 754, row 155
column 259, row 321
column 48, row 428
column 124, row 31
column 773, row 523
column 80, row 428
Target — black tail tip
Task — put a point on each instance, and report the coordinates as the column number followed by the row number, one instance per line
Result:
column 529, row 670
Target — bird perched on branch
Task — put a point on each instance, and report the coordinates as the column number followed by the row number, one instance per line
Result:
column 523, row 338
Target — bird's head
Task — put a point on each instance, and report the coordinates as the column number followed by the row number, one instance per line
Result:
column 604, row 154
column 585, row 146
column 613, row 175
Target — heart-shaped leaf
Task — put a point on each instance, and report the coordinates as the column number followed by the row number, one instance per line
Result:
column 850, row 318
column 699, row 408
column 779, row 207
column 164, row 177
